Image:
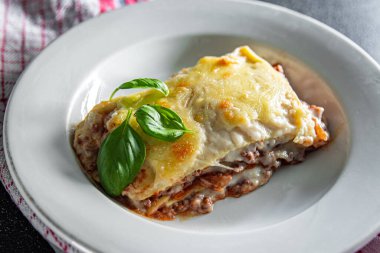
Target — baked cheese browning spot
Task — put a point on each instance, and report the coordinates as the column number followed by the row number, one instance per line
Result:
column 225, row 104
column 225, row 61
column 233, row 117
column 321, row 133
column 183, row 84
column 182, row 149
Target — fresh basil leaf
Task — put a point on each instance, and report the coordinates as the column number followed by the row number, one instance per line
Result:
column 160, row 122
column 120, row 158
column 143, row 83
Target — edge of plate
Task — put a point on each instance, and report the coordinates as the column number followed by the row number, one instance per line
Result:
column 84, row 247
column 60, row 232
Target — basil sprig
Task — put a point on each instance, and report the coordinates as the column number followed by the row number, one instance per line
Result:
column 143, row 83
column 122, row 153
column 160, row 122
column 120, row 158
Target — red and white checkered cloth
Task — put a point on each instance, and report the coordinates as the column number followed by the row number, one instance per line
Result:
column 27, row 27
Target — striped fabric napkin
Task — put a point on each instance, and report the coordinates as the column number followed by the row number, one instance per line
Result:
column 27, row 27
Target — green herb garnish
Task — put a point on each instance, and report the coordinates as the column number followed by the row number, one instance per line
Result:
column 160, row 122
column 143, row 83
column 120, row 158
column 123, row 152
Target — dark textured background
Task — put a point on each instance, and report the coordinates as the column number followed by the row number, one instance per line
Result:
column 357, row 19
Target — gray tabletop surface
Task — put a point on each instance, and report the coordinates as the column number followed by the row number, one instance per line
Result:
column 357, row 19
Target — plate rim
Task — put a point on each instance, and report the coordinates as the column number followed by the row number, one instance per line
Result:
column 66, row 235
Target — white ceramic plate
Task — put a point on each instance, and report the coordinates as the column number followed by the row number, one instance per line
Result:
column 330, row 203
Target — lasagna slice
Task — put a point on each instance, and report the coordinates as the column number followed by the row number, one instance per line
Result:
column 246, row 121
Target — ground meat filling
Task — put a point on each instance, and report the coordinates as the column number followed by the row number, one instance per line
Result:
column 197, row 193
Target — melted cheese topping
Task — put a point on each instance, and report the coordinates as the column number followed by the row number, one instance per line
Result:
column 228, row 102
